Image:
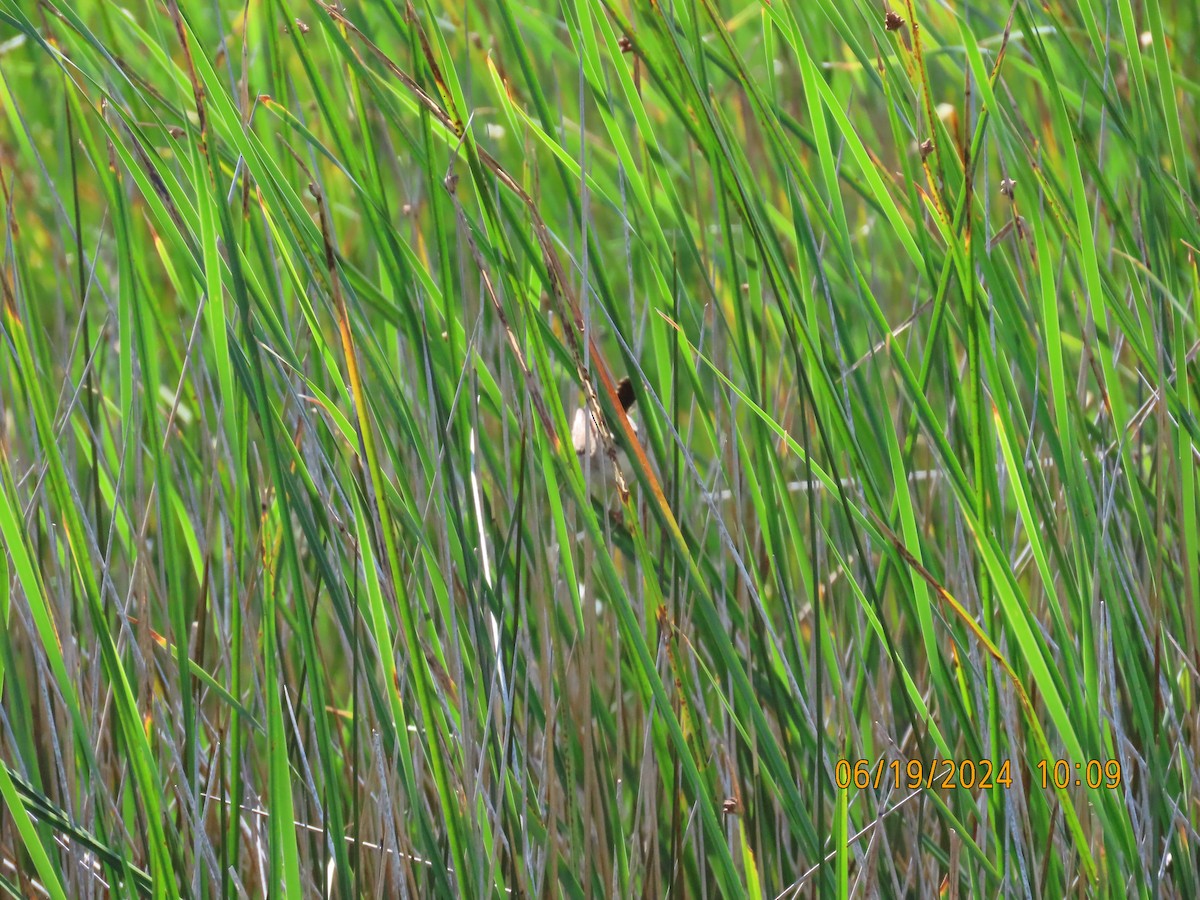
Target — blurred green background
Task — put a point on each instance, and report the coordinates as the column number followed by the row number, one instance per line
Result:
column 305, row 592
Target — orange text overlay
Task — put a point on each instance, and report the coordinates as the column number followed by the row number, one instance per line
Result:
column 972, row 774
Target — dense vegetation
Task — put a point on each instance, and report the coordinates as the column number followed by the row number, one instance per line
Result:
column 305, row 590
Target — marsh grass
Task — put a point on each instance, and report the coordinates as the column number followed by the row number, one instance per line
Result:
column 303, row 588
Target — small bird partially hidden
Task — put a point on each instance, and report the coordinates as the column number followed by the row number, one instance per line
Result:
column 585, row 435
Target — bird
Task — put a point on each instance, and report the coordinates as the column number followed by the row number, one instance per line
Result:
column 585, row 436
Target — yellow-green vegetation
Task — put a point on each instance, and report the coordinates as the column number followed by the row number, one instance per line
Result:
column 304, row 590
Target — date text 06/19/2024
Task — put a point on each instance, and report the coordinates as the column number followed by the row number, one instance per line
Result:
column 980, row 774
